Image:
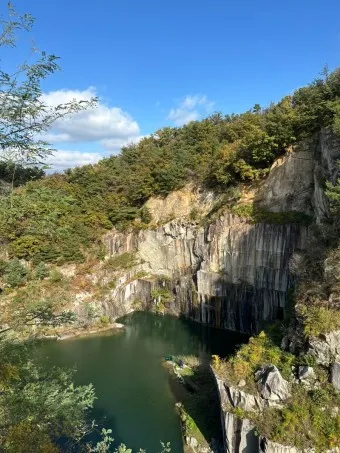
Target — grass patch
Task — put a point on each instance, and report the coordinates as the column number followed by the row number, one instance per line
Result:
column 189, row 427
column 123, row 261
column 259, row 215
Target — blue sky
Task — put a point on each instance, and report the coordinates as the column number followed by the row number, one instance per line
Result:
column 158, row 63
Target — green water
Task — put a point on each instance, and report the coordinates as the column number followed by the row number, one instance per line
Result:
column 132, row 386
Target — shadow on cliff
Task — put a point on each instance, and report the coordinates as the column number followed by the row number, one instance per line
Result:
column 244, row 272
column 199, row 397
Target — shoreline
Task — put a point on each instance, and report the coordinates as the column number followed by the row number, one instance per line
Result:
column 82, row 332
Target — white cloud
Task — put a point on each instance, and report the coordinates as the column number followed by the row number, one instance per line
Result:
column 101, row 123
column 115, row 144
column 191, row 108
column 62, row 159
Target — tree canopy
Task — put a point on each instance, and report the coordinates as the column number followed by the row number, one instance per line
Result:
column 219, row 152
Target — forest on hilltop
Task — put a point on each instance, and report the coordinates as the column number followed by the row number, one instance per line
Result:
column 56, row 218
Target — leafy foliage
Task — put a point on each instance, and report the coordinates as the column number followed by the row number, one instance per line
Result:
column 24, row 115
column 319, row 319
column 41, row 271
column 260, row 351
column 39, row 405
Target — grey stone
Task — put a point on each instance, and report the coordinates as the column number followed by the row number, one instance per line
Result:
column 267, row 446
column 306, row 373
column 243, row 400
column 335, row 375
column 271, row 384
column 240, row 435
column 242, row 383
column 286, row 189
column 231, row 396
column 325, row 348
column 191, row 441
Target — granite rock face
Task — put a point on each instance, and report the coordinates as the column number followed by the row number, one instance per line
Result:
column 232, row 273
column 283, row 191
column 295, row 182
column 239, row 434
column 231, row 396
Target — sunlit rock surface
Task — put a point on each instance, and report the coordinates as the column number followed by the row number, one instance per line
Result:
column 231, row 273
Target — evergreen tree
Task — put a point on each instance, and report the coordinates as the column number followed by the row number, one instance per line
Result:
column 41, row 271
column 15, row 273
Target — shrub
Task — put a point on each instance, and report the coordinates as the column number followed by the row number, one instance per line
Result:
column 161, row 294
column 319, row 319
column 194, row 214
column 105, row 320
column 3, row 265
column 56, row 276
column 15, row 273
column 145, row 215
column 307, row 360
column 259, row 351
column 41, row 271
column 123, row 261
column 25, row 246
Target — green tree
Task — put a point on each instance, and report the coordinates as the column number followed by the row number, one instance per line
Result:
column 24, row 116
column 39, row 405
column 15, row 273
column 41, row 271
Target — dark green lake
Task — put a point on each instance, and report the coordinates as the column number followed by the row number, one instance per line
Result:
column 132, row 386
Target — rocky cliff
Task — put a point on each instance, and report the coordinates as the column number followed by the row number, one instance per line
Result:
column 234, row 272
column 226, row 270
column 230, row 273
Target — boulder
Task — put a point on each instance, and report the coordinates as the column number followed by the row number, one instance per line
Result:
column 231, row 396
column 191, row 441
column 271, row 384
column 325, row 348
column 306, row 373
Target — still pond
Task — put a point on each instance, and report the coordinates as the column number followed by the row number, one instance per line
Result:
column 133, row 388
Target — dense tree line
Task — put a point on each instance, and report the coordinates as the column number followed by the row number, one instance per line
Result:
column 55, row 218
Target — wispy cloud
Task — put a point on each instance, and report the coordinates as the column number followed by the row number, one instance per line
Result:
column 191, row 108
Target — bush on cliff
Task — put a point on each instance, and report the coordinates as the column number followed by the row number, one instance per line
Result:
column 259, row 351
